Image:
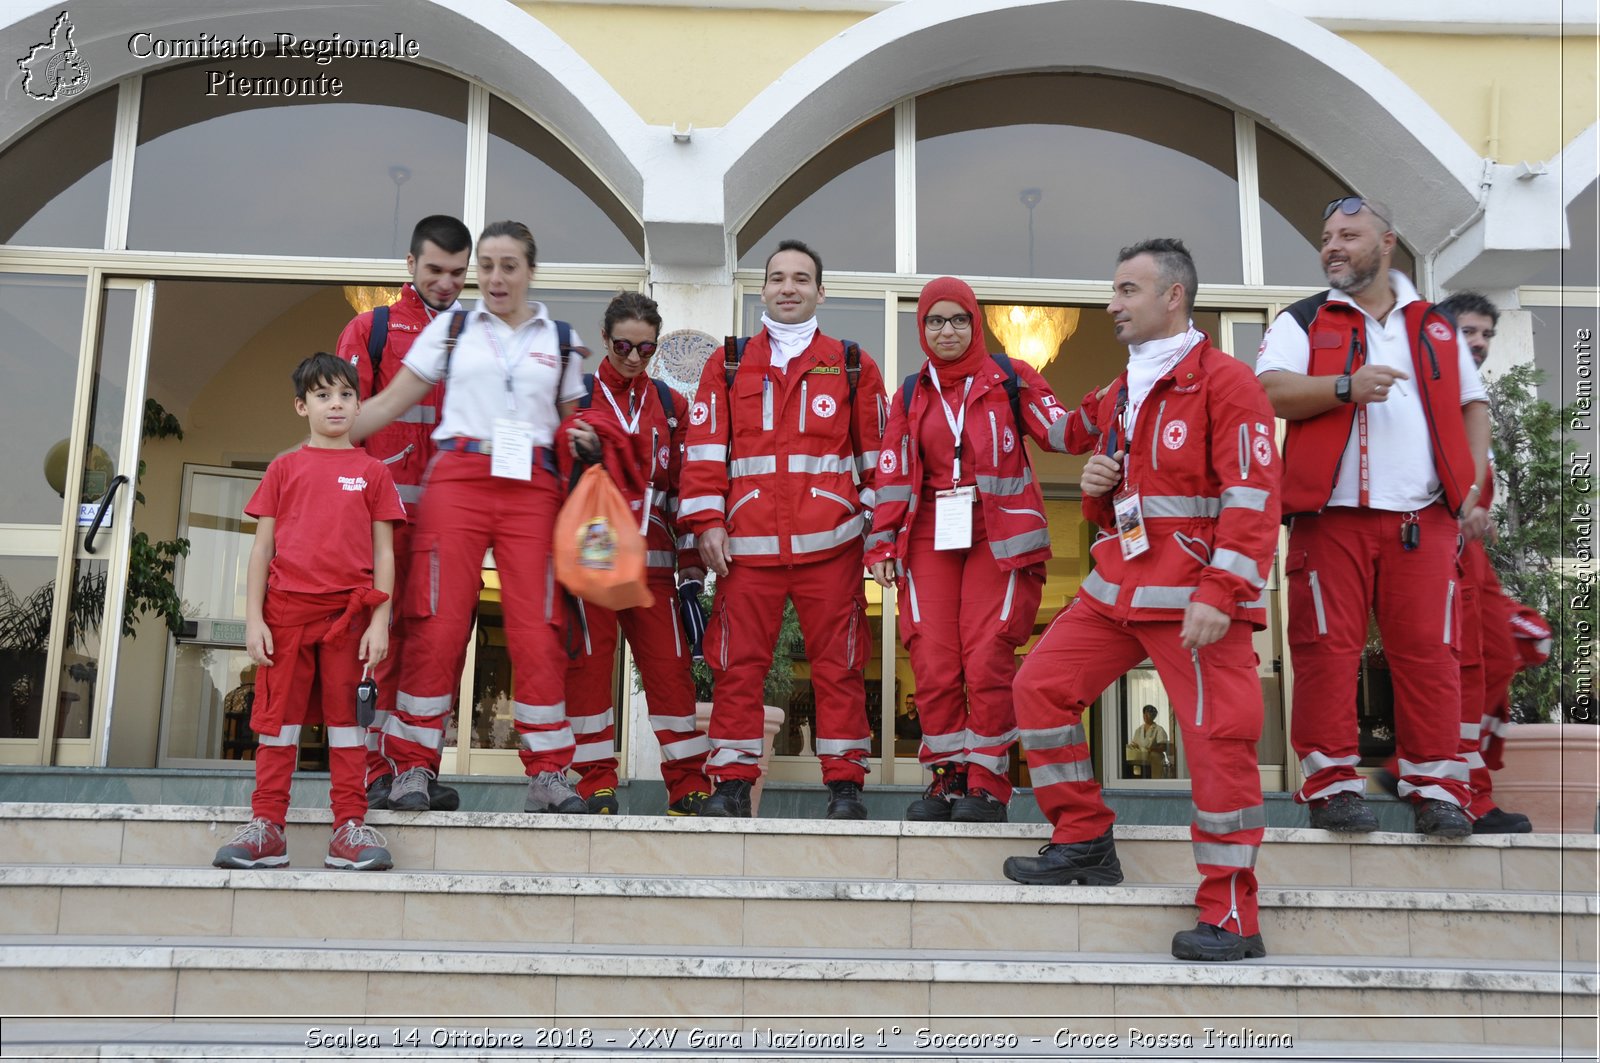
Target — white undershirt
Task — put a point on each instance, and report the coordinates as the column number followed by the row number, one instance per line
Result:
column 1403, row 478
column 1149, row 362
column 788, row 341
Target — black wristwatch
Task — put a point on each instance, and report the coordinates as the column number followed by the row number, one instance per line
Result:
column 1341, row 388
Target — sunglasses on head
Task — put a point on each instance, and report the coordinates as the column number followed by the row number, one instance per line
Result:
column 1350, row 205
column 624, row 348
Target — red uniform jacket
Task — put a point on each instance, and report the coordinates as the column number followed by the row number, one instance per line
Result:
column 406, row 446
column 1207, row 472
column 773, row 463
column 993, row 456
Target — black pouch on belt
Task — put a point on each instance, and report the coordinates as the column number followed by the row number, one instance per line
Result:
column 366, row 702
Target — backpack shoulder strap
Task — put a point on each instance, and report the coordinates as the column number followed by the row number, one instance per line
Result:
column 458, row 321
column 732, row 354
column 852, row 372
column 907, row 386
column 664, row 393
column 587, row 399
column 377, row 340
column 1013, row 385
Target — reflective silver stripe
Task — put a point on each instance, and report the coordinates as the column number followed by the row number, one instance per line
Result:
column 1428, row 793
column 1449, row 609
column 1238, row 564
column 426, row 708
column 746, row 545
column 1258, row 602
column 1011, row 591
column 419, row 415
column 869, row 458
column 995, row 763
column 894, row 494
column 812, row 463
column 1355, row 786
column 1097, row 587
column 1018, row 545
column 1155, row 452
column 1005, row 485
column 717, row 452
column 838, row 747
column 1053, row 738
column 953, row 742
column 589, row 725
column 978, row 741
column 1494, row 725
column 377, row 720
column 1316, row 601
column 1023, row 512
column 1253, row 498
column 1199, row 690
column 1180, row 506
column 685, row 542
column 1315, row 762
column 536, row 715
column 410, row 494
column 911, row 592
column 817, row 492
column 1088, row 425
column 689, row 747
column 882, row 538
column 868, row 497
column 660, row 558
column 700, row 504
column 1225, row 855
column 1474, row 759
column 347, row 737
column 1071, row 771
column 743, row 745
column 588, row 752
column 1056, row 434
column 1248, row 818
column 426, row 737
column 1162, row 597
column 678, row 724
column 723, row 758
column 1470, row 731
column 756, row 466
column 288, row 736
column 544, row 741
column 826, row 540
column 1435, row 769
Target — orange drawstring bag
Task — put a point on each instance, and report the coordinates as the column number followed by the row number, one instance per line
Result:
column 598, row 549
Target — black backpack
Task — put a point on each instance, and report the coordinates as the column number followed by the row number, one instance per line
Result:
column 663, row 392
column 1013, row 385
column 733, row 352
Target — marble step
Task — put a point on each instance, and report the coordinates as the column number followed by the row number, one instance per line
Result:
column 337, row 982
column 712, row 912
column 516, row 843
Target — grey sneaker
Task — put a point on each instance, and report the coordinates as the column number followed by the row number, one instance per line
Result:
column 549, row 791
column 410, row 790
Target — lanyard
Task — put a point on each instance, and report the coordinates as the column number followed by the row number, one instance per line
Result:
column 506, row 367
column 1364, row 499
column 957, row 421
column 631, row 426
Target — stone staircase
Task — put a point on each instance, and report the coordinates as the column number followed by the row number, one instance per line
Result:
column 1384, row 946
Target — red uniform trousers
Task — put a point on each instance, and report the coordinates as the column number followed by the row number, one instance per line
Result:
column 387, row 674
column 468, row 512
column 1500, row 664
column 832, row 608
column 962, row 619
column 1342, row 564
column 1216, row 699
column 315, row 671
column 663, row 660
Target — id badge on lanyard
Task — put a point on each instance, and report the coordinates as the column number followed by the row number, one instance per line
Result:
column 1130, row 523
column 513, row 449
column 952, row 518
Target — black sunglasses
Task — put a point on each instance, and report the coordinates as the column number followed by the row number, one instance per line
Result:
column 1350, row 205
column 624, row 348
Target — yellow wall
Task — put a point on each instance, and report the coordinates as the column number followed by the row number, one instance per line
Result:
column 680, row 65
column 1547, row 86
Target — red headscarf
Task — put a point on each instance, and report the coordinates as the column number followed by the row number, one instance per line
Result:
column 959, row 292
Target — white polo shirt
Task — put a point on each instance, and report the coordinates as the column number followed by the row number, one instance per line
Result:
column 487, row 351
column 1403, row 478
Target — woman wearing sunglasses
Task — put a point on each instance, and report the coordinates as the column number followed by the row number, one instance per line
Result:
column 960, row 521
column 653, row 416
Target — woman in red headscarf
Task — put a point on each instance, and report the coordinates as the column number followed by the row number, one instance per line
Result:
column 960, row 528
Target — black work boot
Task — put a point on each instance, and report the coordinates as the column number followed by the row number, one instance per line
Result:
column 1345, row 812
column 978, row 806
column 845, row 802
column 730, row 801
column 378, row 792
column 1441, row 819
column 1092, row 863
column 1499, row 821
column 949, row 783
column 1212, row 944
column 442, row 798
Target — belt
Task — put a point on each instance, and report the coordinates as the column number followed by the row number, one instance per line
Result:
column 544, row 457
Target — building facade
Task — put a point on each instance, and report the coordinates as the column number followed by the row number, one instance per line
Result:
column 195, row 202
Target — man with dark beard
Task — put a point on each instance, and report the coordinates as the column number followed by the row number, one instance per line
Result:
column 1387, row 446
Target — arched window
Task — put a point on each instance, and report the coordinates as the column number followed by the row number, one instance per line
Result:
column 57, row 178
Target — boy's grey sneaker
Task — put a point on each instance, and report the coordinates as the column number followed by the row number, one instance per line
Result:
column 357, row 847
column 549, row 791
column 258, row 843
column 410, row 791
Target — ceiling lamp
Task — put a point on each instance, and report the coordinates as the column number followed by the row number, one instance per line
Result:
column 365, row 297
column 1032, row 333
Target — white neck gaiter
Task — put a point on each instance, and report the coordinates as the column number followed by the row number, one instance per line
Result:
column 788, row 341
column 1149, row 361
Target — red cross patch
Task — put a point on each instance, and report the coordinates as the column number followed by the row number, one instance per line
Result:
column 886, row 462
column 699, row 413
column 824, row 406
column 1174, row 434
column 1261, row 447
column 1440, row 331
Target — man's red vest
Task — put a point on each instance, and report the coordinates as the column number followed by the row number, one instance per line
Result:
column 1337, row 336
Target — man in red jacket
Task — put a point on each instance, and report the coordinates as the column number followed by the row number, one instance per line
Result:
column 777, row 489
column 1386, row 451
column 440, row 249
column 1183, row 483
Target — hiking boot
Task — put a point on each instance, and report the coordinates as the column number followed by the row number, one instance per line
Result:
column 845, row 802
column 378, row 792
column 1212, row 944
column 689, row 804
column 604, row 802
column 1345, row 812
column 442, row 798
column 1093, row 863
column 549, row 791
column 978, row 806
column 730, row 801
column 1441, row 819
column 410, row 790
column 949, row 782
column 357, row 847
column 258, row 843
column 1499, row 821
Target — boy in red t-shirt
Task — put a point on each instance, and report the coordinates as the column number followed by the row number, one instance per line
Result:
column 321, row 572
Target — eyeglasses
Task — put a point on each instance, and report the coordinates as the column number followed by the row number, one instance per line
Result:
column 1350, row 205
column 624, row 349
column 936, row 323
